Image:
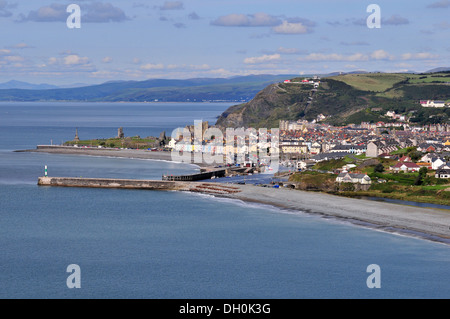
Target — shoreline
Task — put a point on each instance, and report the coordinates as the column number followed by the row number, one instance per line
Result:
column 154, row 155
column 426, row 223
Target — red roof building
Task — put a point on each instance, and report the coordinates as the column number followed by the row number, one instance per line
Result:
column 405, row 167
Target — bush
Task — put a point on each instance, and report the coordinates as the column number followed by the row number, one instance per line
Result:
column 423, row 192
column 347, row 187
column 383, row 187
column 441, row 181
column 443, row 195
column 379, row 168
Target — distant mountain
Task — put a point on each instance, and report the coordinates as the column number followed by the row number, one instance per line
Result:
column 242, row 88
column 441, row 69
column 357, row 72
column 26, row 86
column 73, row 85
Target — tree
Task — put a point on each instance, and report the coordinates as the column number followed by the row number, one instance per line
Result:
column 415, row 156
column 379, row 168
column 422, row 174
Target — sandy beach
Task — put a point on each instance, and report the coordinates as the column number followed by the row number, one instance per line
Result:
column 430, row 223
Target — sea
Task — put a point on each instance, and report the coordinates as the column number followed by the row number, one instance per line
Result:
column 139, row 244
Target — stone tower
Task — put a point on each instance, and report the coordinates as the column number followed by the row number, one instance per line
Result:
column 76, row 139
column 120, row 133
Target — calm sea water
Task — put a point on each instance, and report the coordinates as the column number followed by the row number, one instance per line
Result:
column 150, row 244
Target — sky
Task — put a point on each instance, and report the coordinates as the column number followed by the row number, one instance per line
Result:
column 139, row 40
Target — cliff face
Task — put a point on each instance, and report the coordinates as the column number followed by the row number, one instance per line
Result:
column 292, row 102
column 254, row 112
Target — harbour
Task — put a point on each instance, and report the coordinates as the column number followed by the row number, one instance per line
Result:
column 202, row 243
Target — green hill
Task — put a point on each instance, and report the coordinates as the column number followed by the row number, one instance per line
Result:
column 344, row 99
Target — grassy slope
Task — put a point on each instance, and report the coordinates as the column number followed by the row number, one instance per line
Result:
column 376, row 82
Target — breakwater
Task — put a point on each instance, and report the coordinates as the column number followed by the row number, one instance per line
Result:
column 110, row 183
column 199, row 187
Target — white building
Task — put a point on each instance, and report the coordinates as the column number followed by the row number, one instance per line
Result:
column 346, row 177
column 432, row 103
column 436, row 163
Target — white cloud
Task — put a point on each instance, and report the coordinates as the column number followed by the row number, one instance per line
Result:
column 14, row 58
column 103, row 74
column 5, row 52
column 250, row 20
column 74, row 59
column 291, row 28
column 53, row 12
column 21, row 45
column 335, row 57
column 151, row 66
column 172, row 5
column 103, row 12
column 381, row 55
column 356, row 57
column 262, row 59
column 200, row 67
column 419, row 56
column 288, row 50
column 107, row 59
column 70, row 61
column 97, row 12
column 354, row 43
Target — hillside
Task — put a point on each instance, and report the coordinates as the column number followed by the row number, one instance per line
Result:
column 344, row 99
column 241, row 88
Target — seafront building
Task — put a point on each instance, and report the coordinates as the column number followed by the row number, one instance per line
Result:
column 302, row 143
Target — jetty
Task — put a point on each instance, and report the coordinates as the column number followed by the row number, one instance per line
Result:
column 113, row 183
column 197, row 176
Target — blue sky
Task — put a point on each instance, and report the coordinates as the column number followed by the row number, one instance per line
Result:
column 138, row 40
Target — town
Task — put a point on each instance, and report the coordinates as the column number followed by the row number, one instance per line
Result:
column 394, row 160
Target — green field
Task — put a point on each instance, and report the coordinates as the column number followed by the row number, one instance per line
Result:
column 128, row 142
column 376, row 82
column 381, row 82
column 429, row 78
